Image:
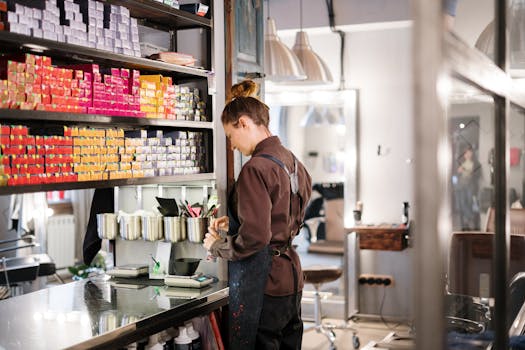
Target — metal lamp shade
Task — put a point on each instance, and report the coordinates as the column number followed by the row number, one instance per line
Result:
column 317, row 72
column 280, row 63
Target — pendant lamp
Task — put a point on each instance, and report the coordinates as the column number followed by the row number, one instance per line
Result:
column 280, row 63
column 317, row 72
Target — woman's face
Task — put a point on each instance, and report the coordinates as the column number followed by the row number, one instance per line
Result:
column 239, row 136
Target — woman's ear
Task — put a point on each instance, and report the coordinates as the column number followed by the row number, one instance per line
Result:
column 244, row 121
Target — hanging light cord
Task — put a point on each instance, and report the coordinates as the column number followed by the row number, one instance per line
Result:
column 331, row 19
column 301, row 14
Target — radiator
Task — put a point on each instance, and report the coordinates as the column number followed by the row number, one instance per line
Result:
column 61, row 240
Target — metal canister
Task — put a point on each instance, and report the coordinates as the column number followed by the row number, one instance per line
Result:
column 152, row 227
column 107, row 225
column 174, row 228
column 196, row 229
column 129, row 225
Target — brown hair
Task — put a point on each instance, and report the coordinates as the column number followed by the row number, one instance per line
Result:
column 243, row 101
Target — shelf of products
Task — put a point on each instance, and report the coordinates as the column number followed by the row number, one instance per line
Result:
column 17, row 116
column 107, row 89
column 23, row 43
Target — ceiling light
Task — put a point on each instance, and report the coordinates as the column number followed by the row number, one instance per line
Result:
column 280, row 63
column 316, row 70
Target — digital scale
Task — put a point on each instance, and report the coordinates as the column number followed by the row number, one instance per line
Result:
column 128, row 271
column 195, row 281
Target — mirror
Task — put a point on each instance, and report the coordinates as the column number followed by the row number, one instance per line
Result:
column 319, row 127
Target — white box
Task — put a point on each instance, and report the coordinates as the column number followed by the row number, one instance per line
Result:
column 48, row 26
column 50, row 35
column 37, row 14
column 37, row 33
column 12, row 17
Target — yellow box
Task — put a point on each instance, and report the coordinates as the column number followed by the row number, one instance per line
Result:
column 155, row 78
column 112, row 166
column 126, row 158
column 125, row 166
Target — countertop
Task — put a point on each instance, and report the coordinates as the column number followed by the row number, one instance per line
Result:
column 98, row 314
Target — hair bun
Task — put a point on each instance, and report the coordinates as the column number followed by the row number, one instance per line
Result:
column 245, row 88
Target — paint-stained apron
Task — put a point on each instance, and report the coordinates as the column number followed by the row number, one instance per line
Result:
column 247, row 282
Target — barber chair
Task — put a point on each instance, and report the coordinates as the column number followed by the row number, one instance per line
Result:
column 317, row 275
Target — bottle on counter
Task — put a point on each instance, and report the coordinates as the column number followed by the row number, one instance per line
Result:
column 182, row 342
column 404, row 216
column 196, row 343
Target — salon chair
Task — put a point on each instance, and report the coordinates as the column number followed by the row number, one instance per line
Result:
column 317, row 275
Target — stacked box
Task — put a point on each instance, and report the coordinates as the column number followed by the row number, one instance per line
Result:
column 86, row 154
column 4, row 96
column 75, row 30
column 152, row 89
column 110, row 94
column 95, row 153
column 28, row 160
column 81, row 22
column 159, row 98
column 58, row 158
column 189, row 105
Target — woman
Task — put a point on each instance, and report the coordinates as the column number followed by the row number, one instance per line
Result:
column 266, row 210
column 468, row 174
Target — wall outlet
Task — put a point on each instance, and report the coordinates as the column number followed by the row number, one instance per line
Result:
column 376, row 280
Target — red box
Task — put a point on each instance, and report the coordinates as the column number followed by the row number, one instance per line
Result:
column 13, row 150
column 19, row 130
column 52, row 168
column 5, row 140
column 5, row 169
column 66, row 168
column 5, row 130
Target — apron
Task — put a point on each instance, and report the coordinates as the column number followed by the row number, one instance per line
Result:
column 246, row 301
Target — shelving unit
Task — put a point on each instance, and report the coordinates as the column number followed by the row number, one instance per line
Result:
column 149, row 13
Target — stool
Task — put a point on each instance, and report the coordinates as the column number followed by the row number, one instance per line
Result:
column 317, row 275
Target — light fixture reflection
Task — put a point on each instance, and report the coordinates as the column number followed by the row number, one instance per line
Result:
column 515, row 32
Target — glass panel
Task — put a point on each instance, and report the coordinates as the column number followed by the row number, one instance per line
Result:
column 472, row 21
column 516, row 25
column 516, row 191
column 470, row 119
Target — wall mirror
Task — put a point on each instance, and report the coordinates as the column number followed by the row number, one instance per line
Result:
column 319, row 127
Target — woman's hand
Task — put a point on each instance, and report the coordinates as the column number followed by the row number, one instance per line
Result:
column 210, row 237
column 221, row 223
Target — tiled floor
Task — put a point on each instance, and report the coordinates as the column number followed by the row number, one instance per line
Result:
column 371, row 335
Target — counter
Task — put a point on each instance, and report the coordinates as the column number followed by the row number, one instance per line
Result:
column 99, row 314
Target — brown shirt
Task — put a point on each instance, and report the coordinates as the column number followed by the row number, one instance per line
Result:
column 263, row 208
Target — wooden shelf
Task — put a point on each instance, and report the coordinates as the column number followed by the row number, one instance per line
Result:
column 109, row 183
